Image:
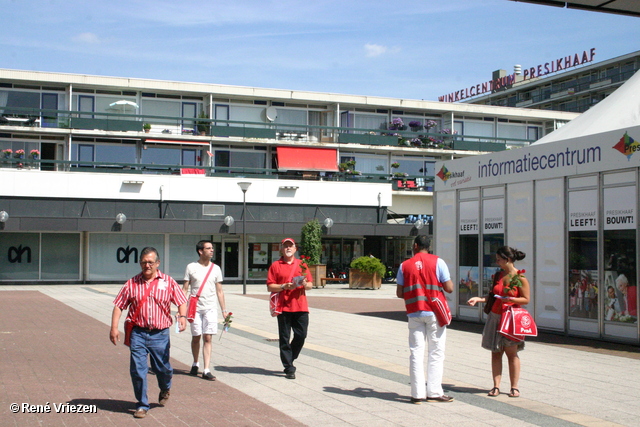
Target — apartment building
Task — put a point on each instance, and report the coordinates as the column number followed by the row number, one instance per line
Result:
column 95, row 168
column 572, row 83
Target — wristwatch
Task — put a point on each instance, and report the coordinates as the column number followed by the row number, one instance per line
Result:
column 182, row 316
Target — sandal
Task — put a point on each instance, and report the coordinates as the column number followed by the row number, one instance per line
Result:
column 514, row 393
column 494, row 392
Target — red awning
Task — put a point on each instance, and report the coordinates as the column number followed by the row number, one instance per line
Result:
column 307, row 159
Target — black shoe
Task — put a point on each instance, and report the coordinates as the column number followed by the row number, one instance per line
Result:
column 194, row 371
column 290, row 375
column 416, row 401
column 164, row 397
column 208, row 376
column 440, row 399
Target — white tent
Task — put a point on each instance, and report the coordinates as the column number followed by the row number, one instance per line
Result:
column 620, row 110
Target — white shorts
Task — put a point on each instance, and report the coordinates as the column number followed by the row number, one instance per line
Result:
column 205, row 322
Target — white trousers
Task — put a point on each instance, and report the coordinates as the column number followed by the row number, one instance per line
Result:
column 426, row 330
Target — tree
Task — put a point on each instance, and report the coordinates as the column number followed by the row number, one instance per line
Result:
column 310, row 241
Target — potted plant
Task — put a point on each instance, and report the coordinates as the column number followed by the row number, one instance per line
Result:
column 6, row 153
column 203, row 126
column 366, row 272
column 19, row 154
column 397, row 124
column 415, row 125
column 311, row 248
column 34, row 154
column 146, row 127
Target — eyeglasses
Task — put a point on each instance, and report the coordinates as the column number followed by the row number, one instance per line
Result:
column 147, row 262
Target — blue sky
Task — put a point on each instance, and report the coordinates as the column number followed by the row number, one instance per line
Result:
column 402, row 49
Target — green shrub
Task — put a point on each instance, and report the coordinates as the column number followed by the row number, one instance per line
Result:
column 310, row 241
column 369, row 265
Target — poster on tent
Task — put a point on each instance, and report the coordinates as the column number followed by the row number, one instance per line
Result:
column 468, row 286
column 583, row 294
column 468, row 270
column 583, row 254
column 619, row 302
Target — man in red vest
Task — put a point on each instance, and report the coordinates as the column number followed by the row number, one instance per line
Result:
column 422, row 281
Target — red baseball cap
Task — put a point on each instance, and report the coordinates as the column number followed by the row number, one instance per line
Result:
column 288, row 239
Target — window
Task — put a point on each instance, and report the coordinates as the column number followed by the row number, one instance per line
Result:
column 221, row 113
column 161, row 156
column 189, row 110
column 86, row 153
column 49, row 102
column 246, row 114
column 482, row 129
column 514, row 133
column 105, row 153
column 367, row 164
column 370, row 121
column 18, row 99
column 292, row 117
column 86, row 103
column 414, row 166
column 240, row 159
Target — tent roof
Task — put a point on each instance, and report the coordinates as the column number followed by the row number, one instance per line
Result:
column 622, row 7
column 620, row 110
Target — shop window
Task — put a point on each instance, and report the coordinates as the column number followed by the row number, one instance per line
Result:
column 20, row 258
column 583, row 274
column 469, row 270
column 620, row 289
column 490, row 245
column 60, row 256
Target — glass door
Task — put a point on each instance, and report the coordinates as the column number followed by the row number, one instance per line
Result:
column 188, row 111
column 49, row 102
column 230, row 259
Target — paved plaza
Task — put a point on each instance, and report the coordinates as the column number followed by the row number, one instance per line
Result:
column 55, row 353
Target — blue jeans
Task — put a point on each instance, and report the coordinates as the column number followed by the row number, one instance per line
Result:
column 156, row 345
column 289, row 350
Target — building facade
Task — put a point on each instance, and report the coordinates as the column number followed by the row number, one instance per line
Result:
column 574, row 88
column 570, row 202
column 95, row 168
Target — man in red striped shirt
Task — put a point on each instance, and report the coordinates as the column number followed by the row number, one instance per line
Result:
column 148, row 298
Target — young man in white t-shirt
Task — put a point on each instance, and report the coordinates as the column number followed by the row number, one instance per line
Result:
column 206, row 320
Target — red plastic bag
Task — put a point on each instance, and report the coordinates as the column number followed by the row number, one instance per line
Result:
column 192, row 308
column 275, row 303
column 523, row 323
column 506, row 325
column 441, row 310
column 128, row 327
column 516, row 323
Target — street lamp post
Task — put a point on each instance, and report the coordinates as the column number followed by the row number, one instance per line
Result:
column 244, row 186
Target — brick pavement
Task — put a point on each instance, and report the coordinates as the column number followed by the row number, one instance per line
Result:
column 52, row 353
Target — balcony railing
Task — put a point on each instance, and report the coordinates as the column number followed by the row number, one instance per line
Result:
column 215, row 128
column 412, row 183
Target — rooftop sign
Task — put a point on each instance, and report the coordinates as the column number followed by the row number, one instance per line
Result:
column 528, row 73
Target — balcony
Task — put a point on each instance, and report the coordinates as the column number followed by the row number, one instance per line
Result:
column 412, row 183
column 74, row 122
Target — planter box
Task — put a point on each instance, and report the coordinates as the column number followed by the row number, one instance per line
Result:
column 318, row 271
column 360, row 279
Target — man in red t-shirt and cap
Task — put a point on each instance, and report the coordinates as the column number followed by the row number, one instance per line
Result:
column 288, row 278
